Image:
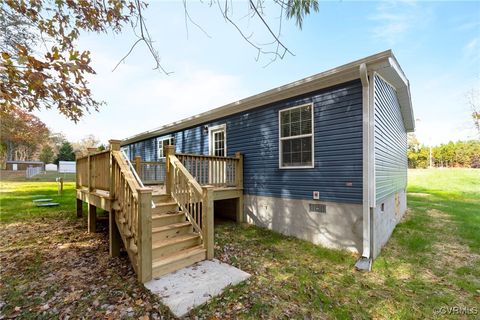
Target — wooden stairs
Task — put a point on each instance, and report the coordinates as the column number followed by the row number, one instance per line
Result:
column 175, row 244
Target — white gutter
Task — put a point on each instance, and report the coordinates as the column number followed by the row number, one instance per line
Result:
column 367, row 168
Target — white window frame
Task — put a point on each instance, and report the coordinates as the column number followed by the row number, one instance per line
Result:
column 210, row 136
column 160, row 143
column 280, row 138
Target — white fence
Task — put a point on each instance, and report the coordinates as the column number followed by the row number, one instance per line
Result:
column 66, row 167
column 33, row 171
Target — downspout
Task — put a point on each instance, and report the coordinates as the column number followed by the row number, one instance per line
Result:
column 365, row 261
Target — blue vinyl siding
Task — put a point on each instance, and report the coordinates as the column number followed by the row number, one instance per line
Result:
column 390, row 142
column 337, row 147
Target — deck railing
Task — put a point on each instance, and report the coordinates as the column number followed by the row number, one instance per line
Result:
column 133, row 215
column 93, row 171
column 131, row 203
column 215, row 171
column 151, row 172
column 194, row 200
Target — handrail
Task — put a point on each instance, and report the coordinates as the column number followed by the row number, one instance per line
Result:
column 205, row 156
column 132, row 214
column 92, row 154
column 134, row 172
column 132, row 168
column 133, row 183
column 187, row 192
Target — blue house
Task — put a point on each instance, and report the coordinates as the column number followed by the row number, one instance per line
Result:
column 324, row 158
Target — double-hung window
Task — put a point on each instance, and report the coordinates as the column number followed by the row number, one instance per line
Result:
column 296, row 137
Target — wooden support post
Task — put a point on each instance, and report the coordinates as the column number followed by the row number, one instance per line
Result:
column 240, row 213
column 79, row 208
column 168, row 151
column 144, row 244
column 239, row 170
column 113, row 233
column 207, row 221
column 92, row 218
column 138, row 160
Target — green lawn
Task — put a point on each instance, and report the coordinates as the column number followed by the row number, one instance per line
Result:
column 431, row 261
column 16, row 200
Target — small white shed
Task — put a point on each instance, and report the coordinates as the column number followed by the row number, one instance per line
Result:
column 66, row 167
column 51, row 167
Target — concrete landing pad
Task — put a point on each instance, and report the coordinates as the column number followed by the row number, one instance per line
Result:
column 190, row 287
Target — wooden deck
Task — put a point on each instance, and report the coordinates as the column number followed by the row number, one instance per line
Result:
column 167, row 224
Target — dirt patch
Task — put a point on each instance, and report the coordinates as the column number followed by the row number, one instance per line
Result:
column 449, row 250
column 53, row 268
column 419, row 194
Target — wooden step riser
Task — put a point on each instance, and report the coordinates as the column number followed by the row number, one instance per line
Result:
column 175, row 247
column 164, row 269
column 167, row 219
column 161, row 198
column 169, row 233
column 161, row 209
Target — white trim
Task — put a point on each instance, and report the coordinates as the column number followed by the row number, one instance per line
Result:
column 160, row 140
column 280, row 138
column 383, row 61
column 366, row 167
column 220, row 127
column 371, row 143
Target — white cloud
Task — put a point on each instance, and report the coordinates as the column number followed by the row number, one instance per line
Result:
column 396, row 18
column 472, row 49
column 139, row 99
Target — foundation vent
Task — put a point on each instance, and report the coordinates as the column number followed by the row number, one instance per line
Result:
column 317, row 207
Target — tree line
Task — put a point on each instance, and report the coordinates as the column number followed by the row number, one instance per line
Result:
column 24, row 137
column 453, row 154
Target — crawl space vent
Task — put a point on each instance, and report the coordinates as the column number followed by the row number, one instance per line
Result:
column 317, row 207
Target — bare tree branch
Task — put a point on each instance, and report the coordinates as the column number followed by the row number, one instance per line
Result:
column 187, row 16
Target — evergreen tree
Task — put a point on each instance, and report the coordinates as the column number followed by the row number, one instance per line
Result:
column 65, row 153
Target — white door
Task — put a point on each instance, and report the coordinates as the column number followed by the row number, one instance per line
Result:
column 217, row 147
column 14, row 167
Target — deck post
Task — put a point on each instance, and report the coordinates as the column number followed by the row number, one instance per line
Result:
column 239, row 171
column 138, row 160
column 168, row 151
column 144, row 244
column 79, row 208
column 113, row 232
column 207, row 221
column 239, row 208
column 92, row 218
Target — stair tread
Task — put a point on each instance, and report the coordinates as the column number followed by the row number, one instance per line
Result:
column 164, row 215
column 165, row 203
column 179, row 255
column 171, row 226
column 170, row 241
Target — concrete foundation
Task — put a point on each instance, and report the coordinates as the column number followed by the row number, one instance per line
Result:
column 386, row 215
column 340, row 227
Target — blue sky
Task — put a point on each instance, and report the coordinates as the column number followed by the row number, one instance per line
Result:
column 436, row 43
